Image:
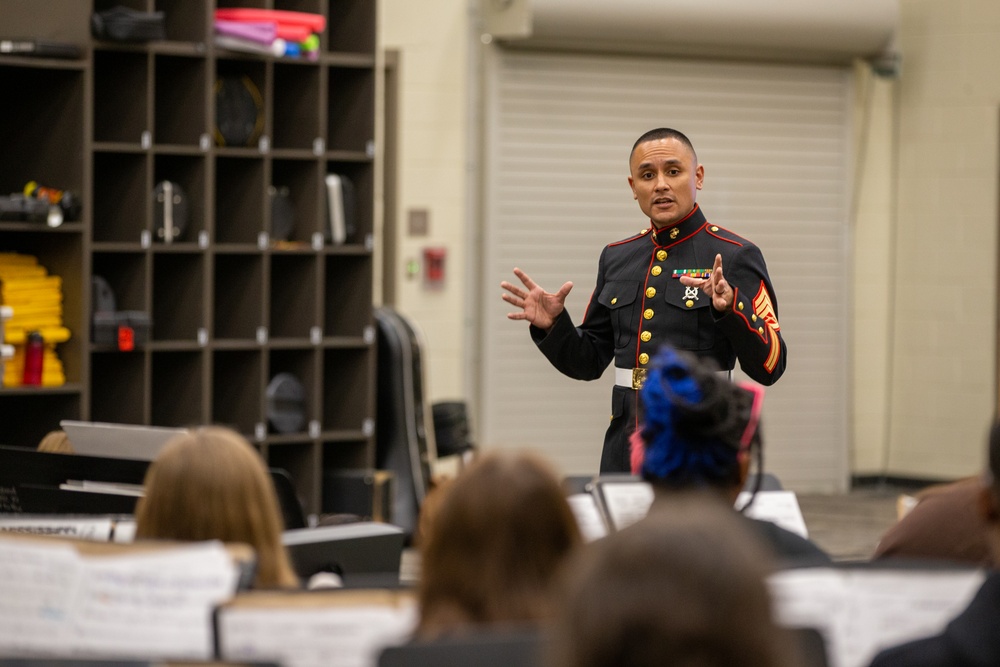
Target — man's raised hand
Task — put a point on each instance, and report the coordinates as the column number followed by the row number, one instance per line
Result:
column 535, row 305
column 715, row 286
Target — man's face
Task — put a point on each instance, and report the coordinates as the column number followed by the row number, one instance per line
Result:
column 665, row 180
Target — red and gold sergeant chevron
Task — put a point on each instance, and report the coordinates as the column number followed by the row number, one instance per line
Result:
column 764, row 310
column 762, row 307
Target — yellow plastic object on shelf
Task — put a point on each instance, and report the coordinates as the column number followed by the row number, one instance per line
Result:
column 50, row 334
column 15, row 258
column 35, row 299
column 52, row 368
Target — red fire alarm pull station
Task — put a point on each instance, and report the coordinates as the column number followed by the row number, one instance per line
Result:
column 434, row 266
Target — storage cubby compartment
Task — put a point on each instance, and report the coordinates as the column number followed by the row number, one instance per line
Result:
column 258, row 4
column 360, row 175
column 348, row 295
column 121, row 94
column 239, row 199
column 178, row 296
column 238, row 297
column 179, row 101
column 299, row 181
column 103, row 5
column 310, row 6
column 285, row 369
column 186, row 19
column 295, row 106
column 351, row 113
column 46, row 409
column 120, row 197
column 293, row 296
column 177, row 381
column 346, row 389
column 126, row 276
column 118, row 387
column 61, row 255
column 351, row 28
column 236, row 390
column 349, row 453
column 188, row 172
column 239, row 89
column 301, row 462
column 40, row 128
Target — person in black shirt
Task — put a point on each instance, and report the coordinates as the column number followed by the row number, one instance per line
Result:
column 971, row 638
column 700, row 432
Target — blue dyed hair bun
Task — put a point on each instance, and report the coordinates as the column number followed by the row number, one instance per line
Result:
column 693, row 422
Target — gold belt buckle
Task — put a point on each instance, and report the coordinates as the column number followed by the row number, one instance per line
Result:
column 638, row 377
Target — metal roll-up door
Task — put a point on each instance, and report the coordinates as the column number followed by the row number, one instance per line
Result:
column 775, row 142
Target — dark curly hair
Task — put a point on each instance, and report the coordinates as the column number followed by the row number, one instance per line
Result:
column 696, row 424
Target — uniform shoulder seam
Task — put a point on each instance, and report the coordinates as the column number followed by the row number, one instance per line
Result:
column 724, row 234
column 628, row 240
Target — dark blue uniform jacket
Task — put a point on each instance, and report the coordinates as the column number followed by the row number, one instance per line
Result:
column 639, row 303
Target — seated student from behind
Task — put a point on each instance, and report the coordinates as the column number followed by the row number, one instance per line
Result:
column 684, row 588
column 699, row 433
column 945, row 524
column 972, row 638
column 211, row 484
column 492, row 547
column 56, row 442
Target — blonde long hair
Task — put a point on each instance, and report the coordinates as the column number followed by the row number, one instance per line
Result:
column 211, row 484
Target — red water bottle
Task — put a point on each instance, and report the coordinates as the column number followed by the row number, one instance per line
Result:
column 34, row 349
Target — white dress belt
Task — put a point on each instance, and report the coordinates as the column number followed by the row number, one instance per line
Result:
column 632, row 378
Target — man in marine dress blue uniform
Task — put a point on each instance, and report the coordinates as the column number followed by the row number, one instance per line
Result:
column 665, row 284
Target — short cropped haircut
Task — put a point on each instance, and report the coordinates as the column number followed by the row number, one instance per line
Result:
column 664, row 133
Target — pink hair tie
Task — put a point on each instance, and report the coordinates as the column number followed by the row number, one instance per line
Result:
column 638, row 451
column 758, row 401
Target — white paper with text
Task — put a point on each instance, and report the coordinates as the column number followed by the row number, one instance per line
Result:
column 158, row 604
column 588, row 516
column 335, row 636
column 860, row 611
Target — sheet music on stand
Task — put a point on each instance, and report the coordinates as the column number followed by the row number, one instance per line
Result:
column 624, row 499
column 78, row 599
column 341, row 628
column 588, row 516
column 621, row 500
column 83, row 527
column 861, row 610
column 97, row 528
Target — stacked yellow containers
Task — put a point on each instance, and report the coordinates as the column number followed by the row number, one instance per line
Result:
column 36, row 299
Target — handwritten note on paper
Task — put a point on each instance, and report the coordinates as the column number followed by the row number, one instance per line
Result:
column 862, row 610
column 780, row 507
column 347, row 636
column 154, row 605
column 588, row 516
column 37, row 586
column 626, row 502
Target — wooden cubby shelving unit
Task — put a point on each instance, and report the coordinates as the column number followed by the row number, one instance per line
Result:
column 230, row 309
